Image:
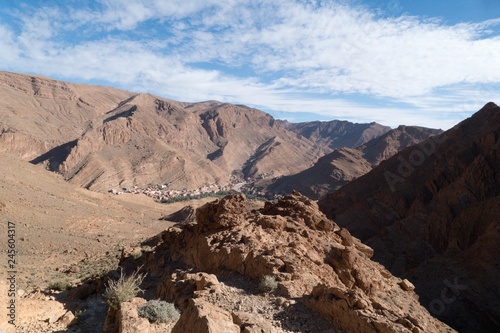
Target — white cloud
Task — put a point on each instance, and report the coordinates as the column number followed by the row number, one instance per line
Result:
column 340, row 50
column 267, row 54
column 126, row 15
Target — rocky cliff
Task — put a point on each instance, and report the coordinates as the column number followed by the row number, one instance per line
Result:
column 338, row 133
column 431, row 213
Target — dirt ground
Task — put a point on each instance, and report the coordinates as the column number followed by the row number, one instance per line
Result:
column 63, row 235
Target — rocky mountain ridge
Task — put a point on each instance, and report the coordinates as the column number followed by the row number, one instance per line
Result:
column 338, row 133
column 431, row 213
column 101, row 138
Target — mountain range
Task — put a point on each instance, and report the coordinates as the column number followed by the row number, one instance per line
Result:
column 101, row 138
column 337, row 133
column 421, row 202
column 341, row 166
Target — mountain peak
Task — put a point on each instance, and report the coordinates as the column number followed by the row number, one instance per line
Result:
column 489, row 105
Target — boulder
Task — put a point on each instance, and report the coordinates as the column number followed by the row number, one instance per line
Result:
column 203, row 317
column 67, row 319
column 128, row 319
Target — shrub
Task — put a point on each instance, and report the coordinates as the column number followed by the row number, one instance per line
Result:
column 157, row 311
column 123, row 289
column 59, row 285
column 268, row 284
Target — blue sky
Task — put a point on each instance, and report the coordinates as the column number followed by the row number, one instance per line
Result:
column 413, row 62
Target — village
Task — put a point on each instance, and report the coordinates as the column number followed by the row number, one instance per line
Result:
column 163, row 193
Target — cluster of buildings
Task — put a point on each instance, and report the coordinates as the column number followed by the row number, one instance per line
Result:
column 163, row 193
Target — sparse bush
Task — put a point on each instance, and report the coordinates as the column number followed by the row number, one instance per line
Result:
column 79, row 314
column 123, row 289
column 59, row 285
column 268, row 284
column 157, row 311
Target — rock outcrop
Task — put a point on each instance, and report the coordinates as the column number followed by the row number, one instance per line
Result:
column 313, row 261
column 128, row 319
column 432, row 215
column 201, row 316
column 184, row 215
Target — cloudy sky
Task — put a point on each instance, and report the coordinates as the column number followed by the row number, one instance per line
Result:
column 414, row 62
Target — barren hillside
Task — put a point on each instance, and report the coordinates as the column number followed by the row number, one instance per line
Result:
column 431, row 213
column 338, row 133
column 65, row 234
column 101, row 138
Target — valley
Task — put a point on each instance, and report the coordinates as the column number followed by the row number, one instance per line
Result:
column 355, row 227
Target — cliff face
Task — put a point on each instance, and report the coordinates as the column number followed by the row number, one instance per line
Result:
column 253, row 142
column 150, row 140
column 314, row 262
column 338, row 168
column 431, row 213
column 143, row 140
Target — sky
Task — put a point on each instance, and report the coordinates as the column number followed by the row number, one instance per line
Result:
column 413, row 62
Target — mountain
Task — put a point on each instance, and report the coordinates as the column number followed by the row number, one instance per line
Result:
column 337, row 133
column 39, row 114
column 432, row 215
column 341, row 166
column 232, row 265
column 100, row 138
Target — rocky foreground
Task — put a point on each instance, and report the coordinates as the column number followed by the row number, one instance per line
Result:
column 326, row 281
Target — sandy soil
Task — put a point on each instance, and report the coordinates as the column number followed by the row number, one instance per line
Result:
column 64, row 234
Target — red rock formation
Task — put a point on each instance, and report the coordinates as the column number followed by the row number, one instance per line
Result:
column 312, row 259
column 432, row 214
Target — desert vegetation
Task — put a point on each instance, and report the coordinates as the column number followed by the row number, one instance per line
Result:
column 157, row 311
column 123, row 289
